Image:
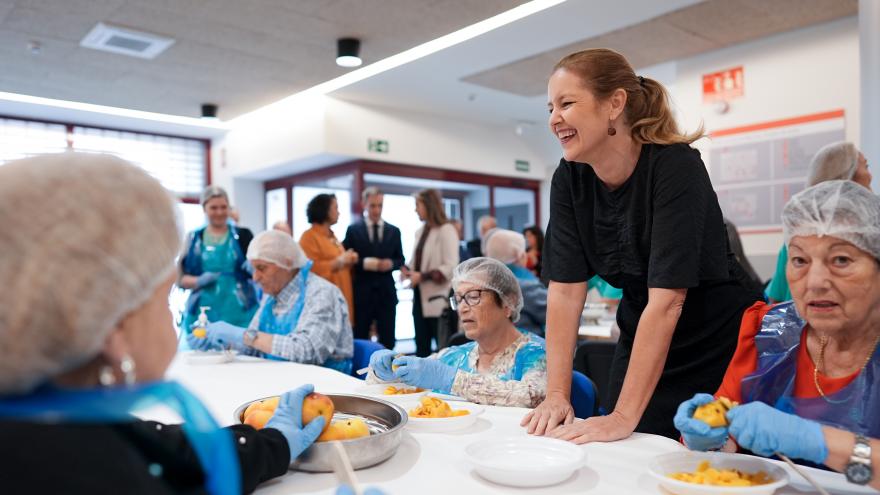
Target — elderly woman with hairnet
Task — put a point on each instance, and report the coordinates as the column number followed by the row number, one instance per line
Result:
column 86, row 336
column 808, row 371
column 302, row 317
column 503, row 366
column 836, row 161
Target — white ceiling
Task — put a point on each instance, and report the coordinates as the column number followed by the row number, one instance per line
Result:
column 240, row 54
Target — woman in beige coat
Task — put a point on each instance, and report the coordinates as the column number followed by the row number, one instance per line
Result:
column 430, row 271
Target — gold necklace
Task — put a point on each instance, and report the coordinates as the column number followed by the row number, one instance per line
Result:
column 821, row 362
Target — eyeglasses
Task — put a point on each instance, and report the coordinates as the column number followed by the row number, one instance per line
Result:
column 471, row 298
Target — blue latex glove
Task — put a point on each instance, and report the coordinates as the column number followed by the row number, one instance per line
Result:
column 346, row 490
column 224, row 335
column 380, row 363
column 765, row 430
column 196, row 343
column 288, row 420
column 425, row 373
column 697, row 434
column 206, row 279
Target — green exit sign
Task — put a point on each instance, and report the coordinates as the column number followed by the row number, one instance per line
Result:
column 377, row 145
column 522, row 165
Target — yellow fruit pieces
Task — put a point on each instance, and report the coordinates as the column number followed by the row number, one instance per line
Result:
column 394, row 366
column 432, row 407
column 392, row 390
column 259, row 412
column 200, row 333
column 714, row 413
column 707, row 475
column 348, row 429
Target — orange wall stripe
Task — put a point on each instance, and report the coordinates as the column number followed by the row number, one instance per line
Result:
column 778, row 123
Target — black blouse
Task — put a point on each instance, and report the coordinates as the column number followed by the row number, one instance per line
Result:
column 662, row 228
column 142, row 457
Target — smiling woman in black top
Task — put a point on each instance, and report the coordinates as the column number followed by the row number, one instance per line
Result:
column 632, row 202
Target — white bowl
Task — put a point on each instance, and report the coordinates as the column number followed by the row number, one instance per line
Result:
column 442, row 425
column 665, row 464
column 376, row 390
column 526, row 461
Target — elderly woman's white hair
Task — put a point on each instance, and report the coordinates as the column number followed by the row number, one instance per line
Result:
column 86, row 239
column 493, row 275
column 837, row 208
column 278, row 248
column 506, row 246
column 835, row 161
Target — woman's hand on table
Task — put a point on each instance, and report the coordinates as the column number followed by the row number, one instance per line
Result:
column 596, row 429
column 554, row 411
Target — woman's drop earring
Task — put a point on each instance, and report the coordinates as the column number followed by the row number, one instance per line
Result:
column 611, row 130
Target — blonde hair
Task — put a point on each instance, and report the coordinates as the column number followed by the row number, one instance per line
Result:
column 647, row 109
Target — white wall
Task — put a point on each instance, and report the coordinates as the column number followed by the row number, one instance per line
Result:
column 811, row 70
column 427, row 140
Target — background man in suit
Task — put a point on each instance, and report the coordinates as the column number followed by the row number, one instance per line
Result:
column 379, row 250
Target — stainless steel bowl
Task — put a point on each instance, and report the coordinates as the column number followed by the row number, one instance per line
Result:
column 384, row 419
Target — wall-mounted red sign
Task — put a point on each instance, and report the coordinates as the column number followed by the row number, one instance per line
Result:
column 723, row 85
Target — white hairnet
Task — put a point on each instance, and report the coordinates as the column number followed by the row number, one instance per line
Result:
column 835, row 161
column 86, row 239
column 278, row 248
column 837, row 208
column 506, row 246
column 493, row 275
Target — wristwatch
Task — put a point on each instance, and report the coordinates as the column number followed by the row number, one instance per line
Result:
column 859, row 470
column 250, row 335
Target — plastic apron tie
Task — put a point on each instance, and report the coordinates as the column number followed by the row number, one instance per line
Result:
column 852, row 408
column 213, row 445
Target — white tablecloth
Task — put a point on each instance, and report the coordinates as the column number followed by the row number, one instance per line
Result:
column 425, row 463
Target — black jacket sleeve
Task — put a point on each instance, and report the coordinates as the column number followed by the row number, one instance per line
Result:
column 397, row 255
column 262, row 454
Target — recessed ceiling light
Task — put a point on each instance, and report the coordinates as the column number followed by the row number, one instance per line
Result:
column 348, row 52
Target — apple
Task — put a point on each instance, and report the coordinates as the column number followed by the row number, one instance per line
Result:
column 331, row 432
column 315, row 405
column 258, row 418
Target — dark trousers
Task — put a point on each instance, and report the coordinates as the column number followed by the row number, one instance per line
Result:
column 370, row 306
column 426, row 328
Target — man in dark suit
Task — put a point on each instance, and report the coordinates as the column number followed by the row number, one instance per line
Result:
column 380, row 252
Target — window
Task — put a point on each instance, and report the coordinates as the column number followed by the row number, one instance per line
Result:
column 276, row 207
column 178, row 163
column 23, row 138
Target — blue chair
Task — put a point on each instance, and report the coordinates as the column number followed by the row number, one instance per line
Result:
column 363, row 349
column 583, row 395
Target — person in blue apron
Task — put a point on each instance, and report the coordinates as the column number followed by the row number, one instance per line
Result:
column 87, row 336
column 503, row 366
column 509, row 247
column 302, row 317
column 808, row 371
column 213, row 267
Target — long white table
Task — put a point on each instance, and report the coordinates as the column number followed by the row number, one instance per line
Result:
column 425, row 463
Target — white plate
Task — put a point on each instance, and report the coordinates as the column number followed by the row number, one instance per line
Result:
column 210, row 357
column 376, row 390
column 526, row 461
column 442, row 425
column 665, row 464
column 447, row 397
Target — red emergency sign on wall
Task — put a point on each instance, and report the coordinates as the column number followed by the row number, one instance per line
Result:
column 723, row 85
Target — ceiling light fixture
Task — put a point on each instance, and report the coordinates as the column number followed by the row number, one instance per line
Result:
column 209, row 111
column 348, row 52
column 405, row 57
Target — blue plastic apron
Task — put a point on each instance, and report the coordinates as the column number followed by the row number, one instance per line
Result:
column 285, row 323
column 853, row 408
column 213, row 445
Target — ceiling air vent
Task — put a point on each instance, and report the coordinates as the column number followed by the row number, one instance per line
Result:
column 124, row 41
